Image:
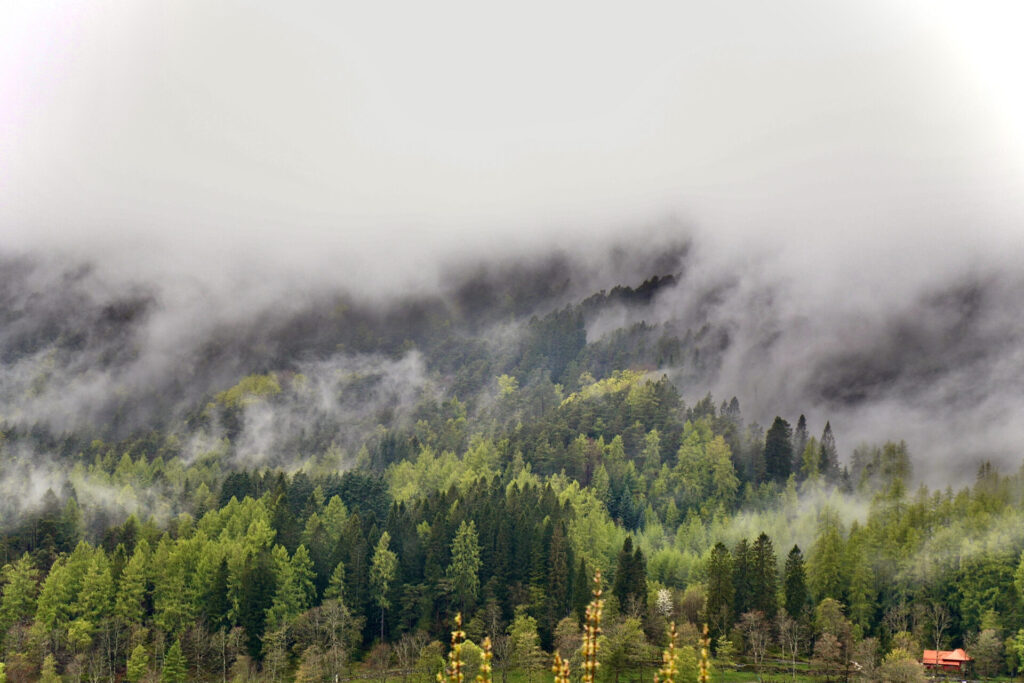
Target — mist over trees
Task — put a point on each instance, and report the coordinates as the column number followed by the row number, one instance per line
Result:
column 328, row 499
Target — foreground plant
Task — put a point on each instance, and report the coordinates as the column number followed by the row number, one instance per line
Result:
column 669, row 659
column 591, row 633
column 705, row 652
column 453, row 671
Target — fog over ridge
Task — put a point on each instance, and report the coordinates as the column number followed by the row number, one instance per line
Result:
column 191, row 194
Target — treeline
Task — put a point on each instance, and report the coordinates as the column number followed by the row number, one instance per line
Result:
column 315, row 570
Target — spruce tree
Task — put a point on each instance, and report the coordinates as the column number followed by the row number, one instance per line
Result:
column 799, row 442
column 174, row 669
column 764, row 577
column 718, row 609
column 48, row 673
column 257, row 595
column 464, row 570
column 382, row 573
column 138, row 665
column 795, row 584
column 630, row 586
column 829, row 461
column 742, row 578
column 778, row 451
column 19, row 589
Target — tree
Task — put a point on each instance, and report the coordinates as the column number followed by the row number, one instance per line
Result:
column 131, row 590
column 789, row 636
column 138, row 664
column 718, row 608
column 829, row 460
column 778, row 451
column 756, row 632
column 1015, row 651
column 464, row 570
column 865, row 659
column 524, row 643
column 19, row 593
column 828, row 656
column 939, row 618
column 630, row 585
column 742, row 578
column 175, row 669
column 255, row 598
column 987, row 651
column 48, row 673
column 382, row 572
column 799, row 442
column 795, row 584
column 826, row 561
column 899, row 666
column 764, row 577
column 625, row 647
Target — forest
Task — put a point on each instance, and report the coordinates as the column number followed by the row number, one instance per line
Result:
column 355, row 481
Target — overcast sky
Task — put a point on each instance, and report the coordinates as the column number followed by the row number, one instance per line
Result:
column 360, row 138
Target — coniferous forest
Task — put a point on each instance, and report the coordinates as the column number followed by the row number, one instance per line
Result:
column 675, row 341
column 366, row 475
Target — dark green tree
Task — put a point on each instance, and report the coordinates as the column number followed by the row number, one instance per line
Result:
column 742, row 578
column 797, row 598
column 718, row 609
column 829, row 455
column 764, row 577
column 257, row 595
column 778, row 451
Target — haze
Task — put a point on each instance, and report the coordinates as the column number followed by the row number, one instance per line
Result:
column 833, row 163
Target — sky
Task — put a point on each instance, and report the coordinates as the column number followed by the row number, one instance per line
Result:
column 839, row 163
column 359, row 140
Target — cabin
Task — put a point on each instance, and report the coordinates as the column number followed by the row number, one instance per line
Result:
column 946, row 660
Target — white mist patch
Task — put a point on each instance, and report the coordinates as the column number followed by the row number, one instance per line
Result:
column 346, row 397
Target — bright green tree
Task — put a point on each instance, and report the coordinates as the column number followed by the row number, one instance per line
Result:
column 175, row 668
column 131, row 591
column 138, row 664
column 826, row 562
column 19, row 593
column 464, row 570
column 383, row 568
column 48, row 672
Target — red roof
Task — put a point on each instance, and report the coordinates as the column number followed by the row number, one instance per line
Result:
column 945, row 656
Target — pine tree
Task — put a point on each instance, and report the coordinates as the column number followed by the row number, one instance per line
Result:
column 799, row 442
column 829, row 455
column 138, row 665
column 861, row 595
column 778, row 451
column 795, row 584
column 48, row 672
column 742, row 578
column 131, row 591
column 581, row 591
column 382, row 573
column 19, row 593
column 175, row 669
column 556, row 597
column 97, row 594
column 464, row 570
column 764, row 577
column 630, row 585
column 826, row 568
column 215, row 603
column 718, row 609
column 256, row 597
